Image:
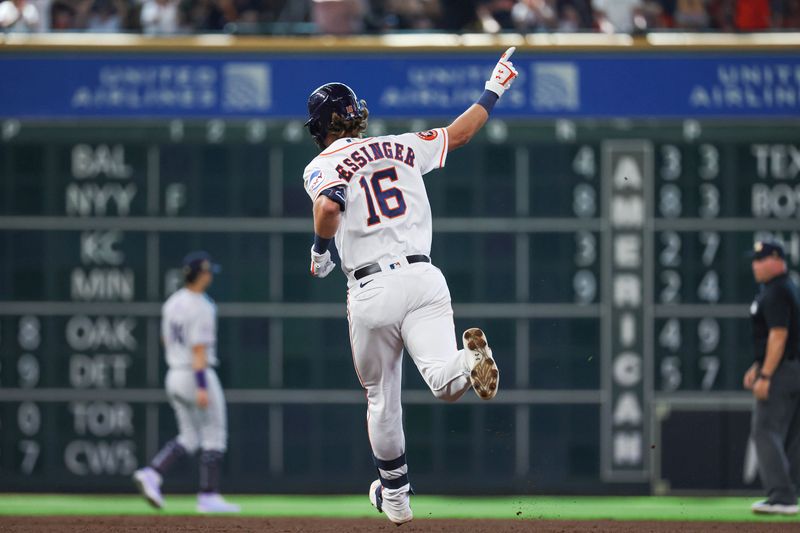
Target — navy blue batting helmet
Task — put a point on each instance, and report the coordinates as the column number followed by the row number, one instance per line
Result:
column 324, row 102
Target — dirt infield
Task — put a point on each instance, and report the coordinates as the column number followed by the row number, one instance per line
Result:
column 179, row 524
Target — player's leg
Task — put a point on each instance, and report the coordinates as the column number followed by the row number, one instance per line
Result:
column 429, row 333
column 179, row 387
column 374, row 315
column 181, row 393
column 771, row 420
column 213, row 443
column 381, row 376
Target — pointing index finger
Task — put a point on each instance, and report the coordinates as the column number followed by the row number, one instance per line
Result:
column 507, row 54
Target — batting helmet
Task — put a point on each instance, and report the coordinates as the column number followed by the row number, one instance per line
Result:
column 324, row 102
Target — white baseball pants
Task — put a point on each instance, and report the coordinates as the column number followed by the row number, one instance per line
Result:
column 408, row 306
column 206, row 429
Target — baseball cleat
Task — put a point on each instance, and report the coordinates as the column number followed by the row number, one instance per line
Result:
column 483, row 371
column 398, row 512
column 148, row 481
column 767, row 507
column 214, row 503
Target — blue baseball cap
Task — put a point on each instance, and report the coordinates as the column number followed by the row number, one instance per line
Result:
column 199, row 261
column 764, row 249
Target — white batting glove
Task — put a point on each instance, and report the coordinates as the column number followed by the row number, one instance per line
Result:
column 321, row 264
column 503, row 74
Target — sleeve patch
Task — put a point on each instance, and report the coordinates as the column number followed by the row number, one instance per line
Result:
column 315, row 180
column 428, row 135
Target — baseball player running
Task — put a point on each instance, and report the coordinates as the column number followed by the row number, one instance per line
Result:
column 368, row 193
column 189, row 333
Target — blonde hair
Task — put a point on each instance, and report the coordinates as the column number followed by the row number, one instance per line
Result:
column 340, row 127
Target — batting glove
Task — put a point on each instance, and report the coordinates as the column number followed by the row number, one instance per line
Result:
column 503, row 74
column 321, row 264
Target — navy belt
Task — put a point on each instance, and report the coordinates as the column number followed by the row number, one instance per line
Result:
column 374, row 268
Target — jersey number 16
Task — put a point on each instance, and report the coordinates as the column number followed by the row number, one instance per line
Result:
column 373, row 188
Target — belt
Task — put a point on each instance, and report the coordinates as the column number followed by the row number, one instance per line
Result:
column 374, row 268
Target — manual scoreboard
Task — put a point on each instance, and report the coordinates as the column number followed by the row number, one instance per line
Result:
column 607, row 260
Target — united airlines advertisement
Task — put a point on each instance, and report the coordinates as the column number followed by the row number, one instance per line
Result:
column 633, row 85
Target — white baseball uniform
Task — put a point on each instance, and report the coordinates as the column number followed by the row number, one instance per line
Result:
column 387, row 218
column 189, row 319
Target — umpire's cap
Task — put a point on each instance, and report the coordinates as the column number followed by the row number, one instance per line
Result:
column 764, row 249
column 199, row 261
column 324, row 102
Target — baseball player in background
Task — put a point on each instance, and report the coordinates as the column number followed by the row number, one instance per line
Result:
column 189, row 334
column 369, row 194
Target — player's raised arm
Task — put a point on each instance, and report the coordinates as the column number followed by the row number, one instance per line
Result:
column 467, row 125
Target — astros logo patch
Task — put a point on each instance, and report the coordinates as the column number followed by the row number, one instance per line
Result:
column 428, row 135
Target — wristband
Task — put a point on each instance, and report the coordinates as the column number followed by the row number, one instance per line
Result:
column 320, row 244
column 763, row 376
column 487, row 100
column 200, row 378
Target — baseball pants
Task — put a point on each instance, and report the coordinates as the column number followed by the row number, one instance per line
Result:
column 206, row 429
column 775, row 431
column 408, row 306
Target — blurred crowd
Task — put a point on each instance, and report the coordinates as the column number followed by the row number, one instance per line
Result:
column 343, row 17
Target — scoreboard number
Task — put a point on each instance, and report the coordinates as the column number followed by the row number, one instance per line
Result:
column 256, row 131
column 708, row 290
column 709, row 161
column 708, row 334
column 215, row 131
column 29, row 419
column 709, row 364
column 709, row 200
column 671, row 254
column 670, row 336
column 28, row 371
column 670, row 204
column 584, row 164
column 584, row 203
column 586, row 249
column 176, row 130
column 670, row 162
column 29, row 336
column 30, row 455
column 710, row 241
column 671, row 293
column 671, row 377
column 585, row 285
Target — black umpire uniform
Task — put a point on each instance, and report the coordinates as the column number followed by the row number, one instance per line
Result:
column 775, row 426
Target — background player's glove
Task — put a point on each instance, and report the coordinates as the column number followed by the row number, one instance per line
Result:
column 503, row 74
column 321, row 264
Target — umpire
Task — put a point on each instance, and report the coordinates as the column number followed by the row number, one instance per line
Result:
column 774, row 379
